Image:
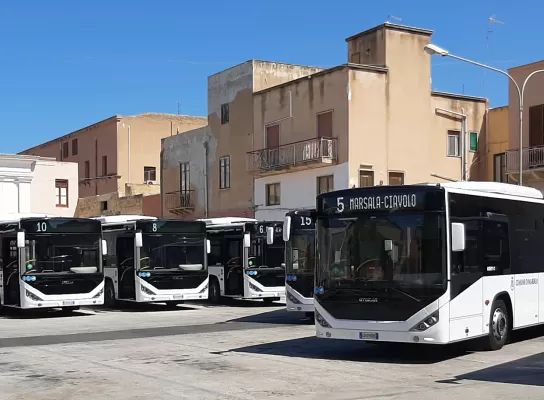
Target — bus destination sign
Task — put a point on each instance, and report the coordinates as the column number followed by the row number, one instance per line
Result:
column 353, row 200
column 171, row 226
column 61, row 225
column 299, row 221
column 260, row 228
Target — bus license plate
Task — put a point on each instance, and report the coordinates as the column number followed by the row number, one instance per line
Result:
column 178, row 297
column 68, row 303
column 368, row 335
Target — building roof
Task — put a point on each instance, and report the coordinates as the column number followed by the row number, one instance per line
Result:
column 118, row 118
column 534, row 64
column 396, row 27
column 459, row 96
column 363, row 67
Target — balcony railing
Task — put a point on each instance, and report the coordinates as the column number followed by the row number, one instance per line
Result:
column 533, row 159
column 180, row 202
column 318, row 150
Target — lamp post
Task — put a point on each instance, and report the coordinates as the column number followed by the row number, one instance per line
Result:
column 435, row 50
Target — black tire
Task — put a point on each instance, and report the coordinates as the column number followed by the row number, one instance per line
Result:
column 499, row 326
column 109, row 294
column 214, row 291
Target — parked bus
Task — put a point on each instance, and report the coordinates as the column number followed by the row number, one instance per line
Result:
column 299, row 237
column 51, row 262
column 246, row 259
column 171, row 254
column 435, row 263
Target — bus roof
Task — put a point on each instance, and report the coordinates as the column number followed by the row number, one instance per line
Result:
column 495, row 187
column 16, row 218
column 227, row 220
column 120, row 219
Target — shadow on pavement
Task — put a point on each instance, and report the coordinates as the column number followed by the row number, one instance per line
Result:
column 130, row 307
column 344, row 350
column 230, row 302
column 16, row 313
column 279, row 317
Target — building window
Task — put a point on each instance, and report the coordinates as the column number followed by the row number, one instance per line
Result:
column 536, row 125
column 325, row 184
column 225, row 117
column 499, row 168
column 224, row 172
column 150, row 174
column 65, row 150
column 366, row 178
column 184, row 176
column 273, row 194
column 104, row 165
column 324, row 125
column 453, row 144
column 61, row 193
column 103, row 206
column 87, row 169
column 473, row 141
column 74, row 147
column 396, row 178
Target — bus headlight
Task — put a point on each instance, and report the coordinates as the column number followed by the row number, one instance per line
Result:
column 204, row 289
column 293, row 299
column 254, row 288
column 96, row 296
column 146, row 290
column 321, row 321
column 425, row 324
column 32, row 296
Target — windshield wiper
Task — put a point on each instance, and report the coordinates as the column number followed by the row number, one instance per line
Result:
column 405, row 294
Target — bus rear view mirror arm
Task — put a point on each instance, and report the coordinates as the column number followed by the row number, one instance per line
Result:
column 458, row 240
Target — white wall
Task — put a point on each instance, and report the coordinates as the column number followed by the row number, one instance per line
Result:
column 298, row 190
column 27, row 185
column 42, row 188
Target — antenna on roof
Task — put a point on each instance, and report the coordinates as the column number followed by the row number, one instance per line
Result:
column 179, row 108
column 392, row 17
column 490, row 20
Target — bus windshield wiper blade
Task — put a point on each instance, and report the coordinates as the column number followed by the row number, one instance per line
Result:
column 405, row 294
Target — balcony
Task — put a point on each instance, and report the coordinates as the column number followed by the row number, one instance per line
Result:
column 180, row 202
column 318, row 152
column 533, row 163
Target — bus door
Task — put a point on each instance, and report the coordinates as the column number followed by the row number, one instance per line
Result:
column 234, row 265
column 10, row 271
column 125, row 267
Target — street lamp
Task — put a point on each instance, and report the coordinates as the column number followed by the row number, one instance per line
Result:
column 433, row 49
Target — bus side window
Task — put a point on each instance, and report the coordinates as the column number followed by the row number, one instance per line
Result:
column 215, row 257
column 495, row 247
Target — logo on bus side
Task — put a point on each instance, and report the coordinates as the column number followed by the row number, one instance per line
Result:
column 527, row 281
column 368, row 300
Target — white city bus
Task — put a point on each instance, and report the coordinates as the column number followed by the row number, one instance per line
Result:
column 299, row 237
column 246, row 259
column 429, row 263
column 171, row 254
column 50, row 262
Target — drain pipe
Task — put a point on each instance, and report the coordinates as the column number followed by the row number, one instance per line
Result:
column 206, row 200
column 161, row 183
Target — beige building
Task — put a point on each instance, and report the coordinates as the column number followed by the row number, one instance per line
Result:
column 30, row 184
column 533, row 126
column 371, row 121
column 118, row 158
column 498, row 144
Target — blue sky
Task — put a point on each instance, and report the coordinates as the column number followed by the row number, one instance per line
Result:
column 65, row 64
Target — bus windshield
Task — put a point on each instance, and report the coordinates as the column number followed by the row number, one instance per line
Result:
column 58, row 253
column 301, row 252
column 263, row 255
column 401, row 251
column 172, row 252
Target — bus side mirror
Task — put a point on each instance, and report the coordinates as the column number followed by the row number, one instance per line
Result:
column 21, row 239
column 247, row 240
column 388, row 245
column 104, row 248
column 458, row 240
column 269, row 235
column 138, row 240
column 208, row 246
column 286, row 228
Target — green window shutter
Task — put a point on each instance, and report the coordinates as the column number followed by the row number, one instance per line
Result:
column 473, row 141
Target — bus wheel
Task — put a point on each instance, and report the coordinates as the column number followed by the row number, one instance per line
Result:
column 109, row 294
column 499, row 326
column 214, row 291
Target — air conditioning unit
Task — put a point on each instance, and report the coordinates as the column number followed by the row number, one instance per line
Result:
column 150, row 182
